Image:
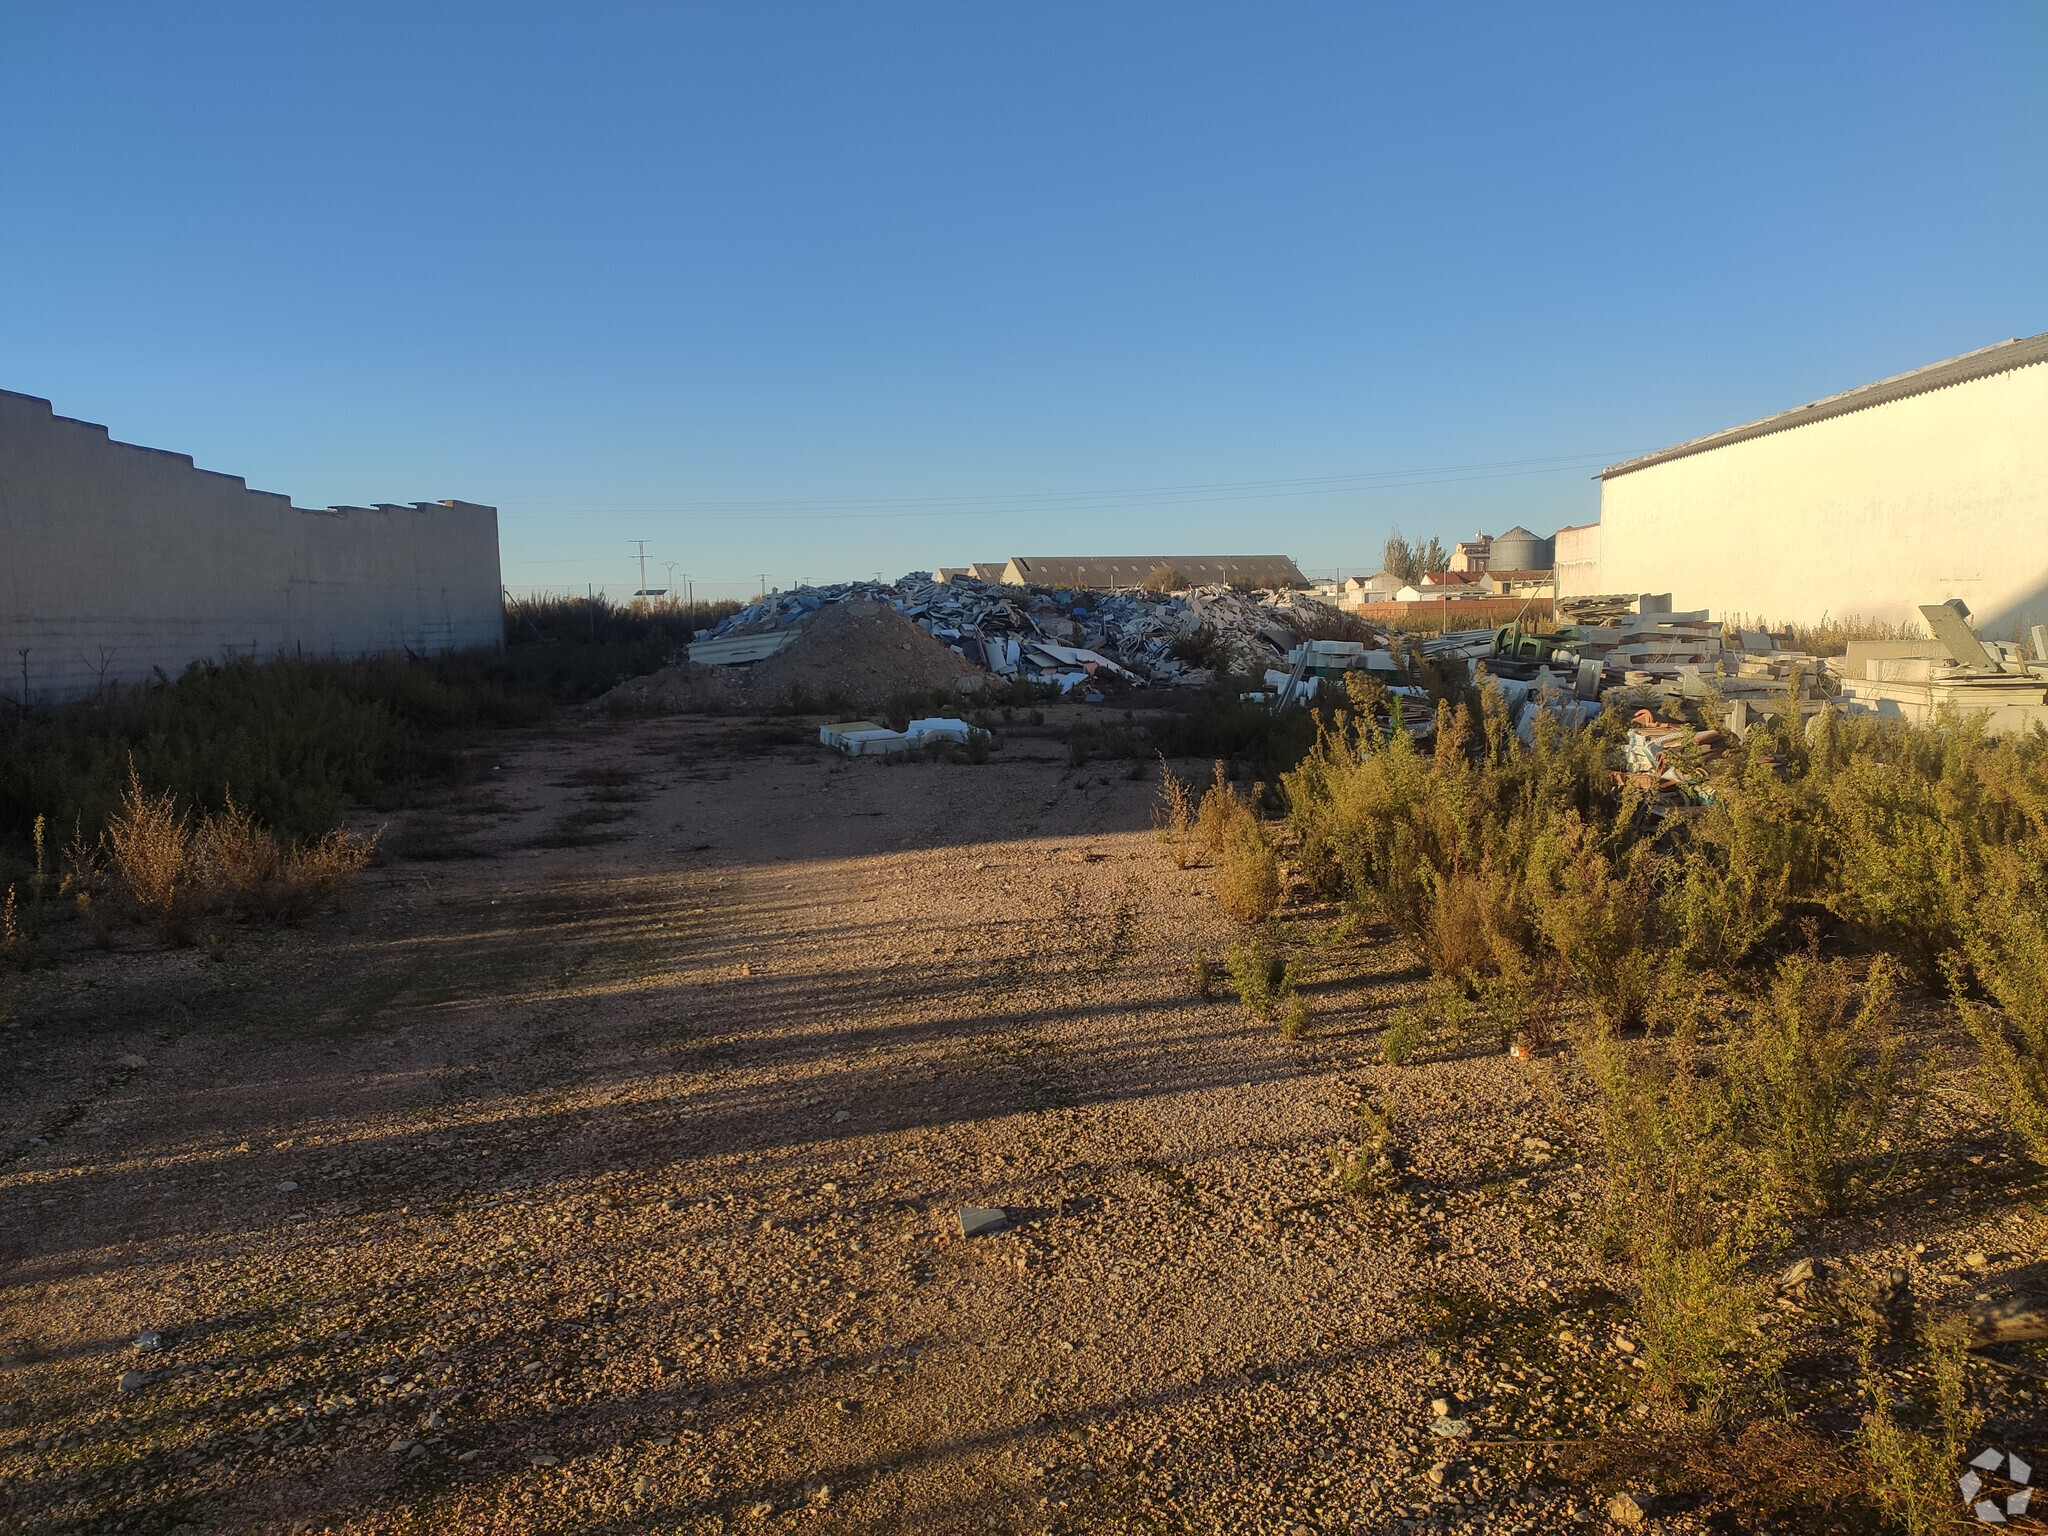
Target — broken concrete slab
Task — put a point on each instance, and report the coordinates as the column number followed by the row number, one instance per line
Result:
column 978, row 1221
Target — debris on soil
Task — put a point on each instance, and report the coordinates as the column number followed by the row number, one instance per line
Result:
column 1062, row 636
column 975, row 1221
column 853, row 655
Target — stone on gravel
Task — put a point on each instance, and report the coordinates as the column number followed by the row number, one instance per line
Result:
column 285, row 1186
column 149, row 1340
column 134, row 1381
column 1624, row 1511
column 975, row 1221
column 1450, row 1429
column 130, row 1061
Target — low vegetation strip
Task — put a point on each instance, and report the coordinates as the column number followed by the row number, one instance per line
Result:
column 1730, row 980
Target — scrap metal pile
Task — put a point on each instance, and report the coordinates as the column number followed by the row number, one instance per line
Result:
column 1054, row 635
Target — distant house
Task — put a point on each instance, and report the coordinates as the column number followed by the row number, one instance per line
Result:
column 1473, row 554
column 1456, row 584
column 1377, row 588
column 1263, row 573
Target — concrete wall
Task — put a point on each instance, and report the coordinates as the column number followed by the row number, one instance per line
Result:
column 122, row 559
column 1938, row 495
column 1577, row 570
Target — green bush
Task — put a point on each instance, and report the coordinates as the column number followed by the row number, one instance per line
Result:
column 1813, row 1076
column 1407, row 1034
column 1264, row 979
column 2006, row 950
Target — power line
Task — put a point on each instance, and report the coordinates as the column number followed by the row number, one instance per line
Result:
column 981, row 504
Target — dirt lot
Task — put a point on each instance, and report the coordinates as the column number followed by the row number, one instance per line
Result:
column 596, row 1169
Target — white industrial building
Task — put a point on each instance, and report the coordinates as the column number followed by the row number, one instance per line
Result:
column 118, row 561
column 1916, row 489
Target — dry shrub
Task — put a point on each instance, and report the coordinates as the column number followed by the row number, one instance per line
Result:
column 1247, row 867
column 1719, row 900
column 1248, row 876
column 1222, row 814
column 1769, row 1471
column 173, row 875
column 1520, row 995
column 1164, row 578
column 261, row 877
column 150, row 850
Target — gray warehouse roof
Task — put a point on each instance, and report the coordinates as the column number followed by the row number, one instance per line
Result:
column 1264, row 572
column 2000, row 358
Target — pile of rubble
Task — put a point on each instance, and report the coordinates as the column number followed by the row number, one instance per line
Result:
column 1054, row 635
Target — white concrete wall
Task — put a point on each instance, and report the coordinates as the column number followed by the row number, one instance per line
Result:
column 130, row 559
column 1939, row 495
column 1577, row 569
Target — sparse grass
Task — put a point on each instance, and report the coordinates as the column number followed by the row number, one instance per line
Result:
column 1829, row 637
column 1368, row 1168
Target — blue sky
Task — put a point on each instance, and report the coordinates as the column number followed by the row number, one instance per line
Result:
column 821, row 290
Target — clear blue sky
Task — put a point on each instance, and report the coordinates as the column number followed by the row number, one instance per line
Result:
column 821, row 290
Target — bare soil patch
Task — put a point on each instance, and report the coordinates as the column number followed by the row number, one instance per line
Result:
column 566, row 1184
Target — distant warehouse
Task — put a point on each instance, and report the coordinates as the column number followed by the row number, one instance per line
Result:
column 1262, row 573
column 116, row 561
column 1916, row 489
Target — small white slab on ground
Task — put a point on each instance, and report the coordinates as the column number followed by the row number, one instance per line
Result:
column 977, row 1220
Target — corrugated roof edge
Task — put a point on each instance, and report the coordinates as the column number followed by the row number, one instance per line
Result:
column 2000, row 357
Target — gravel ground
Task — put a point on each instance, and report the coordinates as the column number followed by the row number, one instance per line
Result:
column 597, row 1168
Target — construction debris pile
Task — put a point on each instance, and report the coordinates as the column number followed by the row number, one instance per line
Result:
column 1053, row 635
column 1627, row 650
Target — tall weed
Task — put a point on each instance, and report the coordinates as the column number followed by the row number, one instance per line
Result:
column 1174, row 815
column 1813, row 1076
column 2006, row 951
column 1913, row 1472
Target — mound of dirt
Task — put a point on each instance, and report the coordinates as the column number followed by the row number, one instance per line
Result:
column 853, row 655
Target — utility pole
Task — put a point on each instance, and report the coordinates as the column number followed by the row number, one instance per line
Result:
column 670, row 567
column 643, row 571
column 764, row 587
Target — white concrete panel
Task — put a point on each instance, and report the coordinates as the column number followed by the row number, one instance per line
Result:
column 119, row 561
column 1938, row 495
